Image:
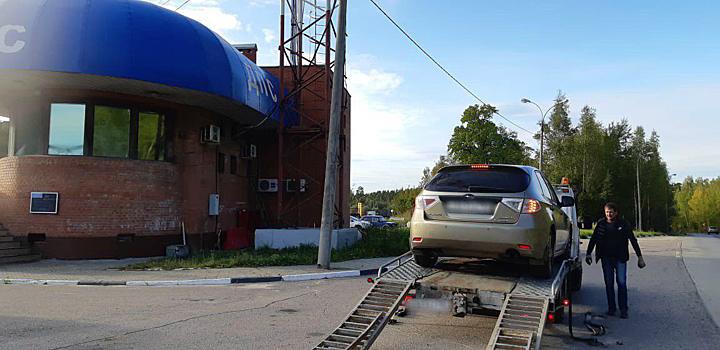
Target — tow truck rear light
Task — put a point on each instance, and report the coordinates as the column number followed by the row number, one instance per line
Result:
column 524, row 247
column 425, row 202
column 479, row 167
column 417, row 239
column 531, row 206
column 566, row 302
column 551, row 318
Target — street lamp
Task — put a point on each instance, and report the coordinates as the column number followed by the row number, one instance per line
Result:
column 542, row 127
column 639, row 201
column 667, row 217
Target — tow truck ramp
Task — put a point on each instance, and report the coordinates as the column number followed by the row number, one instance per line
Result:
column 519, row 326
column 522, row 318
column 362, row 326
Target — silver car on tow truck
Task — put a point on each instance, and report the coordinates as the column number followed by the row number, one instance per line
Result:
column 503, row 212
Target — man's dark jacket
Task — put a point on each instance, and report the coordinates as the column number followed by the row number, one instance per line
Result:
column 613, row 244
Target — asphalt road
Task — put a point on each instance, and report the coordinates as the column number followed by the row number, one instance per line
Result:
column 666, row 310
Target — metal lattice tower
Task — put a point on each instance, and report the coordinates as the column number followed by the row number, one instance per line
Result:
column 307, row 37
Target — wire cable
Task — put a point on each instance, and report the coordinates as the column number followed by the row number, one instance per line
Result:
column 181, row 6
column 443, row 68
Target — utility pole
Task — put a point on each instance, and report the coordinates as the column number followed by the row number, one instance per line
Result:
column 639, row 199
column 331, row 166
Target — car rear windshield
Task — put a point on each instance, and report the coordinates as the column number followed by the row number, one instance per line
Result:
column 494, row 179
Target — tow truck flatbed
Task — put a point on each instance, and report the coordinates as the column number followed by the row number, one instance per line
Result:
column 524, row 302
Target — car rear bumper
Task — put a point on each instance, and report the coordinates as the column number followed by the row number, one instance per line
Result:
column 480, row 240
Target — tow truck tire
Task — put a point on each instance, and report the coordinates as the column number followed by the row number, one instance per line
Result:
column 559, row 315
column 425, row 260
column 575, row 279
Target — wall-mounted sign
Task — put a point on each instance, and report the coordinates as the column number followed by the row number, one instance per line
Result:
column 43, row 202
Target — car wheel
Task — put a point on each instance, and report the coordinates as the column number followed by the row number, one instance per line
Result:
column 546, row 269
column 425, row 260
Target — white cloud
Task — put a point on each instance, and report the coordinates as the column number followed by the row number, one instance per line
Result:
column 384, row 152
column 214, row 18
column 211, row 14
column 269, row 35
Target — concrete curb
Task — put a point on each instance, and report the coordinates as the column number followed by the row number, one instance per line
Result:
column 201, row 282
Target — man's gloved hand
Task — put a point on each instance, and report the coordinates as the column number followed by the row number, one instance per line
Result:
column 588, row 260
column 641, row 262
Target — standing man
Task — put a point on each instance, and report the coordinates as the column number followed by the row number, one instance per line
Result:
column 611, row 237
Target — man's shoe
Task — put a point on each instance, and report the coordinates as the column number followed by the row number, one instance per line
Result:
column 610, row 313
column 624, row 315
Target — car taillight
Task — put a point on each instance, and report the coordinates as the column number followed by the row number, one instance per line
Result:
column 531, row 206
column 425, row 202
column 514, row 203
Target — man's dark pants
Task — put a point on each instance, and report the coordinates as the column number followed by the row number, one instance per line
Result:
column 614, row 269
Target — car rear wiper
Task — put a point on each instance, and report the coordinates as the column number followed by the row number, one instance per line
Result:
column 485, row 188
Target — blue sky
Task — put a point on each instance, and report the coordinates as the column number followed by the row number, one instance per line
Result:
column 652, row 62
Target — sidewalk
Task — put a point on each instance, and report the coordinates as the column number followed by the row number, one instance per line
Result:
column 100, row 270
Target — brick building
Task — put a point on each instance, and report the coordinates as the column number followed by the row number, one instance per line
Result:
column 114, row 105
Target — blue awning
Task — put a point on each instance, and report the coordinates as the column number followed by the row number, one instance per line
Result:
column 132, row 40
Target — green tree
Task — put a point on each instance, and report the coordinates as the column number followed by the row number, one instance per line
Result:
column 479, row 140
column 429, row 173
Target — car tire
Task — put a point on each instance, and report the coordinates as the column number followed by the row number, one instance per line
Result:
column 575, row 279
column 547, row 268
column 425, row 260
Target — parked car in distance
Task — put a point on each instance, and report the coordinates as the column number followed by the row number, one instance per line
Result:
column 502, row 212
column 357, row 223
column 713, row 229
column 378, row 221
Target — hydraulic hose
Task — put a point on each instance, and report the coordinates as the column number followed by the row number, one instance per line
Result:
column 596, row 329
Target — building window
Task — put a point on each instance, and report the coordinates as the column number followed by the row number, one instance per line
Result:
column 67, row 129
column 151, row 136
column 233, row 165
column 221, row 163
column 4, row 135
column 111, row 132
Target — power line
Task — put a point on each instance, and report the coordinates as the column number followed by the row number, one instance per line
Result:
column 443, row 68
column 181, row 6
column 165, row 3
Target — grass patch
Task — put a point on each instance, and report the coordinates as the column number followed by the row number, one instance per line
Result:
column 377, row 243
column 588, row 233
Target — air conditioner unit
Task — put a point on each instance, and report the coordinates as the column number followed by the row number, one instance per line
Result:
column 268, row 185
column 249, row 152
column 211, row 134
column 293, row 185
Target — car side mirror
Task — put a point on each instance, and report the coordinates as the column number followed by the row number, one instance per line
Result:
column 568, row 201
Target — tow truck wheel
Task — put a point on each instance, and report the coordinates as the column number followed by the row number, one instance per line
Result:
column 425, row 260
column 575, row 279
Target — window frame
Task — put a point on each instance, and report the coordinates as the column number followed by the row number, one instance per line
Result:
column 135, row 110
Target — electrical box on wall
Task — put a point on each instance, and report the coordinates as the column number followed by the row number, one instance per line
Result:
column 211, row 134
column 249, row 152
column 294, row 185
column 268, row 185
column 214, row 205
